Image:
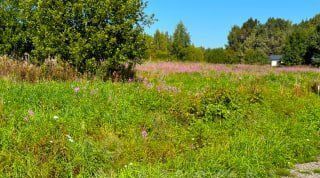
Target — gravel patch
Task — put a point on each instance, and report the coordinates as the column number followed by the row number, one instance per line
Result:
column 307, row 170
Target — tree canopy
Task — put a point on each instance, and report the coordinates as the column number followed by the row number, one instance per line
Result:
column 90, row 35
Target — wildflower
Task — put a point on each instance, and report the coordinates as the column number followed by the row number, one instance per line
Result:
column 31, row 113
column 93, row 92
column 130, row 164
column 55, row 117
column 77, row 89
column 51, row 141
column 70, row 139
column 26, row 119
column 130, row 80
column 144, row 134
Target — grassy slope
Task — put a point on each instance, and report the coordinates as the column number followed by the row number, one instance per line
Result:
column 263, row 124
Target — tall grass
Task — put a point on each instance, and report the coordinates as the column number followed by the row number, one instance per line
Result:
column 179, row 125
column 25, row 71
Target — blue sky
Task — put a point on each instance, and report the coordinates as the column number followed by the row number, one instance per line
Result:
column 209, row 21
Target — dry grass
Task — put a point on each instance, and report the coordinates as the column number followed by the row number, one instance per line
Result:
column 24, row 71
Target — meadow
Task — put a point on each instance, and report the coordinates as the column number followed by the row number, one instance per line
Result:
column 178, row 121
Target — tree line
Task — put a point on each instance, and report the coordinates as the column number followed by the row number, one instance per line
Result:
column 163, row 46
column 251, row 43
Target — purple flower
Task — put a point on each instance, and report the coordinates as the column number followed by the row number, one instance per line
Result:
column 77, row 89
column 144, row 134
column 31, row 113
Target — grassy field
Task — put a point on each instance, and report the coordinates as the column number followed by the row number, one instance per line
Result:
column 191, row 123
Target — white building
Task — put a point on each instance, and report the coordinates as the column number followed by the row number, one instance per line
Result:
column 275, row 60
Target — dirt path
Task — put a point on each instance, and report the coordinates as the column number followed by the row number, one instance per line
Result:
column 307, row 170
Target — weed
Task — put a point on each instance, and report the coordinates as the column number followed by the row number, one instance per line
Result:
column 215, row 126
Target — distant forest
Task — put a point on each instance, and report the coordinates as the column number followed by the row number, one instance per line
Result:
column 251, row 43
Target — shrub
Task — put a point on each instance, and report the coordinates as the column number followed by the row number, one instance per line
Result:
column 216, row 55
column 210, row 106
column 84, row 34
column 221, row 56
column 255, row 57
column 193, row 53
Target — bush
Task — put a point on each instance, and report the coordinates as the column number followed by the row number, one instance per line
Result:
column 221, row 56
column 84, row 34
column 216, row 56
column 193, row 54
column 255, row 57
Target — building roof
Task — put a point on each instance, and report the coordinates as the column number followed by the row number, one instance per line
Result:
column 275, row 57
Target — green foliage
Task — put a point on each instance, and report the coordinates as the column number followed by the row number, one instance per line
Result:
column 221, row 56
column 216, row 125
column 86, row 34
column 297, row 43
column 162, row 45
column 193, row 53
column 317, row 171
column 303, row 44
column 255, row 41
column 296, row 47
column 176, row 47
column 217, row 55
column 283, row 172
column 238, row 36
column 181, row 41
column 276, row 31
column 255, row 57
column 14, row 38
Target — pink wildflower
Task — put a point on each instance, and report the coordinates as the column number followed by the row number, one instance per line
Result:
column 77, row 89
column 144, row 134
column 31, row 113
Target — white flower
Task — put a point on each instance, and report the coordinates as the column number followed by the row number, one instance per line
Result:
column 55, row 117
column 70, row 139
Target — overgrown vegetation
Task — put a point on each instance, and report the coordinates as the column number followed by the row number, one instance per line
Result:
column 203, row 124
column 105, row 37
column 50, row 70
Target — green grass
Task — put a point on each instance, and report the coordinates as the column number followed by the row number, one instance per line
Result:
column 317, row 171
column 283, row 172
column 208, row 125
